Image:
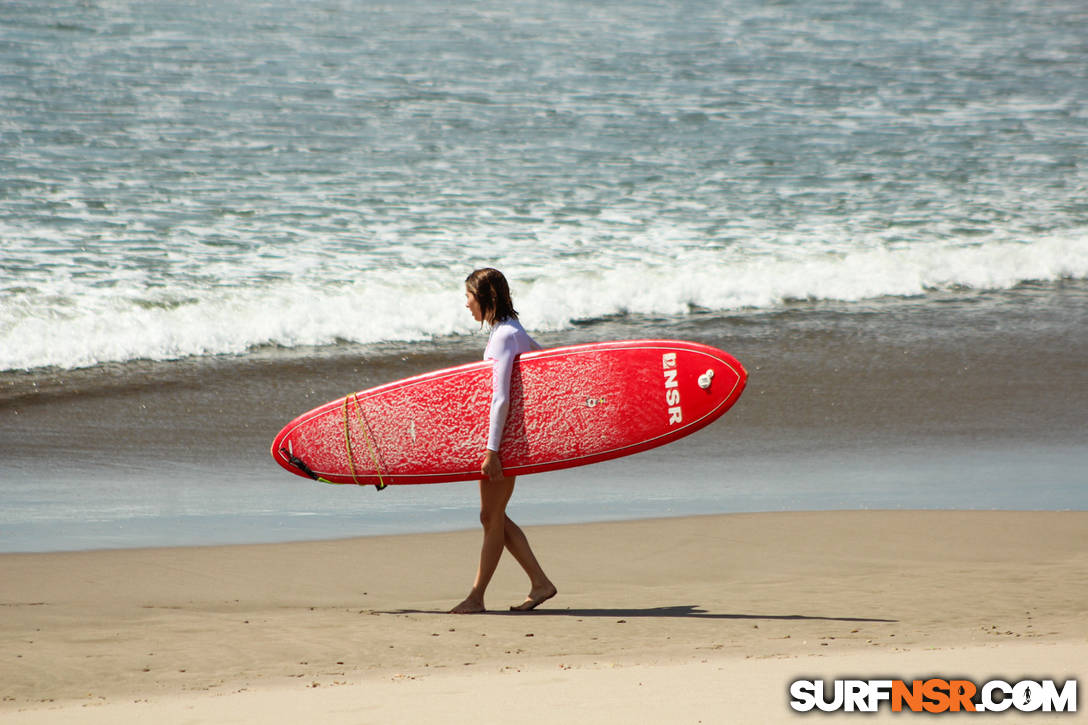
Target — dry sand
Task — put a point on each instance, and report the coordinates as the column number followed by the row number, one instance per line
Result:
column 672, row 620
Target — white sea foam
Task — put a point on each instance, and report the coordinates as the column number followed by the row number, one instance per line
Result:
column 67, row 324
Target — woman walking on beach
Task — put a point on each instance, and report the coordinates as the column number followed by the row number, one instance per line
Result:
column 487, row 296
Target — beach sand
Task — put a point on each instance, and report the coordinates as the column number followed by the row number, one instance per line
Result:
column 670, row 620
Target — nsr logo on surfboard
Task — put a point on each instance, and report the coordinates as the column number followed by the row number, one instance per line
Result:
column 672, row 389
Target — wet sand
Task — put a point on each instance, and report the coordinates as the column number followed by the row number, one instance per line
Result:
column 1008, row 368
column 955, row 403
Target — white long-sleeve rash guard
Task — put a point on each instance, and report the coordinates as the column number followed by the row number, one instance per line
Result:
column 508, row 340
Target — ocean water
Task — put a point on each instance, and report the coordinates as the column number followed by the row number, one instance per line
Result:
column 265, row 173
column 232, row 186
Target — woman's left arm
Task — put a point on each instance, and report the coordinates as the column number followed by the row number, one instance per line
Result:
column 504, row 349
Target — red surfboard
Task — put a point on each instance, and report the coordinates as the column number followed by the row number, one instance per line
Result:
column 569, row 406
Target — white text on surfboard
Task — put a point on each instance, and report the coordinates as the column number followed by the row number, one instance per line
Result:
column 672, row 391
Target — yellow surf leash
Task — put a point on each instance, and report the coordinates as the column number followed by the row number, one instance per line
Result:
column 370, row 443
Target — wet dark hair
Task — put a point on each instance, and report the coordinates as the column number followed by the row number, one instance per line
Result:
column 490, row 289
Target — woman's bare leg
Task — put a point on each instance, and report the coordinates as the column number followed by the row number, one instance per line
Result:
column 541, row 587
column 499, row 532
column 493, row 498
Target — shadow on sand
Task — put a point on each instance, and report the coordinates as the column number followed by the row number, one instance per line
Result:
column 684, row 611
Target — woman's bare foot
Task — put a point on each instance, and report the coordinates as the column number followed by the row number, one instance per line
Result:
column 536, row 598
column 471, row 605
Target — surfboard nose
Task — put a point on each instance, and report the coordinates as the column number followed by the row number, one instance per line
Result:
column 718, row 376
